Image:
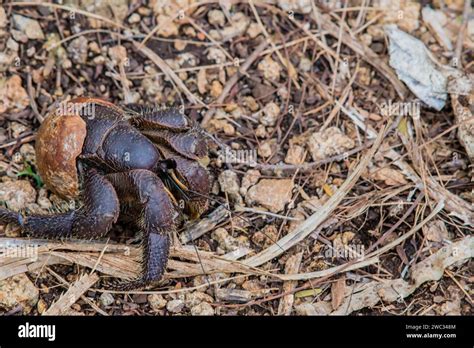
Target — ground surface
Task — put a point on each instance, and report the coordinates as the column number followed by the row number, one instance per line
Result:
column 370, row 207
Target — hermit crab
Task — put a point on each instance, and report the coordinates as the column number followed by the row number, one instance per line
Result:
column 133, row 161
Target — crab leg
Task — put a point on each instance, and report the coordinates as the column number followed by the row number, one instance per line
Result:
column 99, row 210
column 145, row 118
column 157, row 218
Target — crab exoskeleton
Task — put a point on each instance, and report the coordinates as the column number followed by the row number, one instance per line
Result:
column 134, row 161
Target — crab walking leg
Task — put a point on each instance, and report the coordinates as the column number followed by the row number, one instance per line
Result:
column 157, row 218
column 145, row 118
column 99, row 211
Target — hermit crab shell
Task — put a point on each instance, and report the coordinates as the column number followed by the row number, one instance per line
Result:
column 58, row 143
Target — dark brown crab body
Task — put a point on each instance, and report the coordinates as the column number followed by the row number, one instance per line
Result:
column 136, row 161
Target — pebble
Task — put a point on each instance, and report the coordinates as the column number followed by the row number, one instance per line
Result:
column 18, row 290
column 203, row 308
column 229, row 184
column 3, row 18
column 29, row 27
column 269, row 114
column 270, row 69
column 175, row 306
column 17, row 194
column 216, row 17
column 106, row 299
column 295, row 154
column 169, row 28
column 156, row 301
column 194, row 298
column 13, row 96
column 250, row 178
column 272, row 194
column 329, row 142
column 77, row 50
column 134, row 18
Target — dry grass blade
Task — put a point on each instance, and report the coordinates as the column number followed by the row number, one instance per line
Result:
column 317, row 218
column 432, row 268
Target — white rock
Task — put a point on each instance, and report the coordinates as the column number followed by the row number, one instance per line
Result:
column 329, row 142
column 216, row 17
column 270, row 69
column 175, row 306
column 229, row 183
column 106, row 299
column 156, row 301
column 18, row 290
column 300, row 6
column 269, row 114
column 17, row 194
column 134, row 18
column 272, row 194
column 3, row 18
column 203, row 308
column 29, row 27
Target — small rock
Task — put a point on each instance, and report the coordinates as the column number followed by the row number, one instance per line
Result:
column 239, row 24
column 229, row 184
column 118, row 54
column 272, row 194
column 216, row 55
column 13, row 96
column 270, row 69
column 436, row 231
column 222, row 125
column 175, row 306
column 226, row 242
column 250, row 178
column 305, row 64
column 318, row 308
column 17, row 129
column 29, row 27
column 106, row 299
column 216, row 89
column 18, row 290
column 267, row 148
column 78, row 50
column 19, row 36
column 28, row 153
column 167, row 26
column 41, row 306
column 329, row 142
column 194, row 298
column 134, row 18
column 180, row 45
column 203, row 308
column 269, row 114
column 254, row 30
column 295, row 154
column 17, row 194
column 3, row 18
column 156, row 301
column 13, row 45
column 216, row 17
column 299, row 6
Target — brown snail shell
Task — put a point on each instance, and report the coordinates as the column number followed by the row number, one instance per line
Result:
column 58, row 143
